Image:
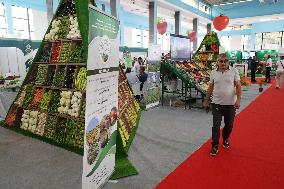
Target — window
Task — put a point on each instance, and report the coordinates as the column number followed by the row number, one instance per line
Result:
column 225, row 42
column 23, row 22
column 164, row 41
column 132, row 37
column 145, row 34
column 190, row 2
column 272, row 40
column 3, row 24
column 204, row 8
column 246, row 42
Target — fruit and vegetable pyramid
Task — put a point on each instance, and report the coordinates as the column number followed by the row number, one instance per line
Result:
column 208, row 50
column 128, row 110
column 51, row 102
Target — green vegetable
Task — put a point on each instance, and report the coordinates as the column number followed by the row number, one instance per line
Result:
column 41, row 74
column 54, row 102
column 45, row 100
column 30, row 90
column 76, row 54
column 49, row 130
column 82, row 114
column 64, row 28
column 64, row 54
column 81, row 79
column 60, row 134
column 59, row 78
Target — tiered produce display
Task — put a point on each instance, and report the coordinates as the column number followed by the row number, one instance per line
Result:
column 208, row 50
column 51, row 102
column 128, row 110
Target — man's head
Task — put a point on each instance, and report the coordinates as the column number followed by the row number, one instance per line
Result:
column 142, row 70
column 254, row 57
column 269, row 56
column 223, row 62
column 282, row 57
column 140, row 60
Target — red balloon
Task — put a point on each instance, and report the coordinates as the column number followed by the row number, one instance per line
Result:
column 192, row 36
column 162, row 27
column 220, row 22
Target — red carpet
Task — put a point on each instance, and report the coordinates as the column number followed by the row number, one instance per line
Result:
column 255, row 159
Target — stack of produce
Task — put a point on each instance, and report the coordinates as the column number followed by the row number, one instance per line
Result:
column 54, row 102
column 64, row 53
column 45, row 100
column 69, row 78
column 49, row 129
column 123, row 132
column 75, row 104
column 50, row 75
column 65, row 102
column 75, row 133
column 59, row 78
column 25, row 120
column 74, row 28
column 33, row 121
column 29, row 95
column 76, row 54
column 32, row 74
column 55, row 52
column 44, row 57
column 81, row 79
column 11, row 117
column 41, row 74
column 60, row 134
column 52, row 35
column 41, row 124
column 21, row 97
column 37, row 98
column 64, row 28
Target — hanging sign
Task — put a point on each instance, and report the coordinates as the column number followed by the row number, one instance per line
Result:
column 101, row 100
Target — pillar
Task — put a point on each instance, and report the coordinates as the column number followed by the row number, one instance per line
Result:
column 8, row 9
column 153, row 21
column 177, row 23
column 49, row 5
column 195, row 28
column 209, row 28
column 115, row 8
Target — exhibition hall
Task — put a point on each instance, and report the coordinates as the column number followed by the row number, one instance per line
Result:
column 141, row 94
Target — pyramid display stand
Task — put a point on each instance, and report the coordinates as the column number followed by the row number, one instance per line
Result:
column 51, row 103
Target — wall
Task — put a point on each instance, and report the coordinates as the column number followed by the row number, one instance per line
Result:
column 40, row 24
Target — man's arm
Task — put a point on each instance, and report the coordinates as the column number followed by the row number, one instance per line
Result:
column 208, row 96
column 239, row 94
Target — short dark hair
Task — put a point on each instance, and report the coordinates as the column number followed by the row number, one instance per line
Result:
column 128, row 70
column 142, row 68
column 140, row 58
column 282, row 57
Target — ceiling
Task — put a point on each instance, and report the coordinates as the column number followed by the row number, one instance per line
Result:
column 251, row 20
column 218, row 2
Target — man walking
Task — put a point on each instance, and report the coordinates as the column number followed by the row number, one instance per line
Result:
column 268, row 69
column 225, row 88
column 253, row 69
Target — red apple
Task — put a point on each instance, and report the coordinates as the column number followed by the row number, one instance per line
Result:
column 162, row 27
column 221, row 22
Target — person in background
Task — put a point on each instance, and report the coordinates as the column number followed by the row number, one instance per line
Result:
column 280, row 73
column 142, row 78
column 253, row 67
column 268, row 69
column 137, row 66
column 225, row 87
column 131, row 76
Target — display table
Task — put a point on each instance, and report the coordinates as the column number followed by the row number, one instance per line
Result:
column 6, row 99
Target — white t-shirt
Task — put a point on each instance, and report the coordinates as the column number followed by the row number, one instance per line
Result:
column 269, row 62
column 280, row 67
column 136, row 67
column 224, row 86
column 132, row 78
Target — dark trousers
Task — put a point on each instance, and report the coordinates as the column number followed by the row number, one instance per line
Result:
column 267, row 75
column 218, row 111
column 252, row 76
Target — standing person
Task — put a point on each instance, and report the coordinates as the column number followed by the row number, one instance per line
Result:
column 225, row 87
column 137, row 66
column 268, row 69
column 280, row 72
column 253, row 67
